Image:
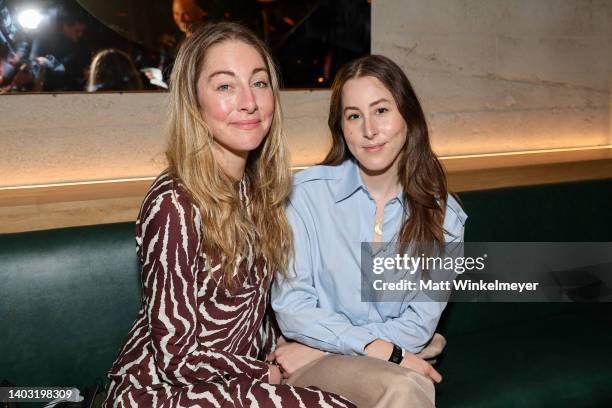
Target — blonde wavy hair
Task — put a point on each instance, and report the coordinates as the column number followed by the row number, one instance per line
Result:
column 227, row 228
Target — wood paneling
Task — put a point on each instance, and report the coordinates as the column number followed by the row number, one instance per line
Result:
column 29, row 208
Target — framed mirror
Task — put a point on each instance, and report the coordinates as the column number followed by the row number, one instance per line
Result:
column 118, row 45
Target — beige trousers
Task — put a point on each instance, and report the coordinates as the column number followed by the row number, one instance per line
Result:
column 371, row 382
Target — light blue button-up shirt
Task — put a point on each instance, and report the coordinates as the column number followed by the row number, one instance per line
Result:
column 331, row 213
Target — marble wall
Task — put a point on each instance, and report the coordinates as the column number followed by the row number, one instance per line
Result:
column 504, row 75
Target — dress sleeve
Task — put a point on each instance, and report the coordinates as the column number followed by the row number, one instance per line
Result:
column 168, row 249
column 269, row 333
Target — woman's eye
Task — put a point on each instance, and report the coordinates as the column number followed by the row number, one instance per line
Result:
column 261, row 84
column 353, row 116
column 381, row 110
column 223, row 88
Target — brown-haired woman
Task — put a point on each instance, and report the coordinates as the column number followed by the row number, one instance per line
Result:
column 210, row 235
column 380, row 182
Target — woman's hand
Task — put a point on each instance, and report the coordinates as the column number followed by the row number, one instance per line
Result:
column 382, row 349
column 379, row 349
column 292, row 356
column 420, row 366
column 274, row 374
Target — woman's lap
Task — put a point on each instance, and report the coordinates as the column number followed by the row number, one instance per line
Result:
column 366, row 381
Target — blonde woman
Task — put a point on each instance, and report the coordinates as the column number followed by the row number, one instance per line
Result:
column 210, row 235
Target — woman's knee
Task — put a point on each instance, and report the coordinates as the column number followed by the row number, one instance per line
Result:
column 412, row 388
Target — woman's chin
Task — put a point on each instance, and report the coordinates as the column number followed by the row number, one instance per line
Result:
column 245, row 142
column 375, row 167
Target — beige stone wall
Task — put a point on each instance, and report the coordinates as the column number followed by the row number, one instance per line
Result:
column 83, row 137
column 504, row 75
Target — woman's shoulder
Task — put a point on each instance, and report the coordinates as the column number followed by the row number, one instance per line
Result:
column 319, row 178
column 318, row 172
column 167, row 209
column 454, row 207
column 313, row 185
column 165, row 193
column 454, row 219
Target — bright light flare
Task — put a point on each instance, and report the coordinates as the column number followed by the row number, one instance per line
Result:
column 30, row 19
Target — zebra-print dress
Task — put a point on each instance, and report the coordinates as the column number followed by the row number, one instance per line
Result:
column 195, row 343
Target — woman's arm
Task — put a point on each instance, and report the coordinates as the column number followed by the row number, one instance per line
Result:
column 382, row 349
column 295, row 299
column 413, row 329
column 269, row 335
column 169, row 256
column 417, row 324
column 293, row 355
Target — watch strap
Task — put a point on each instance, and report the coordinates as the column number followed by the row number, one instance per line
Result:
column 396, row 355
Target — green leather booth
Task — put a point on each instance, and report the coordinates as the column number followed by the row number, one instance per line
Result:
column 68, row 296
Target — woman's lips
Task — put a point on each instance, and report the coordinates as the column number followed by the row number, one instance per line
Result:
column 374, row 148
column 246, row 124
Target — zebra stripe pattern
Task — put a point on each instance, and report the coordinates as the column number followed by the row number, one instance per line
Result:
column 195, row 343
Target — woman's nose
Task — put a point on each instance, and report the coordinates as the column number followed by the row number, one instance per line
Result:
column 369, row 128
column 247, row 101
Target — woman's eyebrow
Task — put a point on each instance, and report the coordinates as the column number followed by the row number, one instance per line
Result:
column 376, row 102
column 256, row 70
column 230, row 73
column 372, row 104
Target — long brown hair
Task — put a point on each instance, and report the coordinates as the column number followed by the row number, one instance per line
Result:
column 419, row 170
column 226, row 227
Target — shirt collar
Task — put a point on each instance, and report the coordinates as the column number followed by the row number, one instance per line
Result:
column 350, row 181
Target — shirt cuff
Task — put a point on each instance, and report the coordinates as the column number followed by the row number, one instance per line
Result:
column 355, row 339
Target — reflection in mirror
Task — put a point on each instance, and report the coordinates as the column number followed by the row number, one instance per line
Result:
column 118, row 45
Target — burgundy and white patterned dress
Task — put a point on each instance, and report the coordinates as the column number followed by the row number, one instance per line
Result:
column 194, row 343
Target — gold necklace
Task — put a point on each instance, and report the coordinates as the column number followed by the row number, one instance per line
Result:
column 378, row 228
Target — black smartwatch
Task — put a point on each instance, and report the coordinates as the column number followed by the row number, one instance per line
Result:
column 397, row 354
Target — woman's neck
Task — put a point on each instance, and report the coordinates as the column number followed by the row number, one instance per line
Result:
column 232, row 163
column 382, row 185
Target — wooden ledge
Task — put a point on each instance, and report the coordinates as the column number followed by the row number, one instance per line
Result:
column 28, row 208
column 489, row 171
